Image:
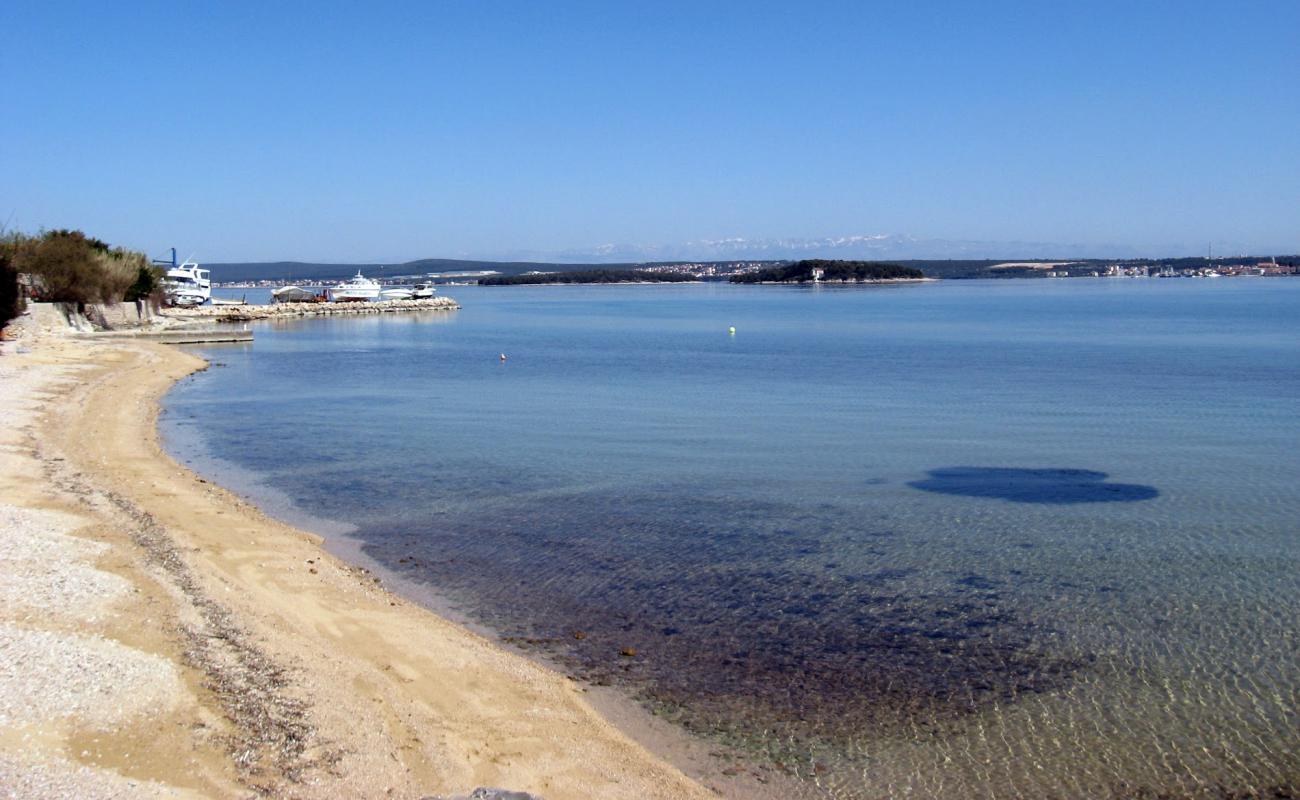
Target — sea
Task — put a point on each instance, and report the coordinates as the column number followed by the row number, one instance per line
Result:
column 979, row 539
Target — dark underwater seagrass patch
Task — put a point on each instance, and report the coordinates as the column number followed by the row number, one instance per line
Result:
column 709, row 611
column 1033, row 485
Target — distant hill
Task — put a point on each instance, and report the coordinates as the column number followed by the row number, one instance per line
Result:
column 589, row 276
column 307, row 272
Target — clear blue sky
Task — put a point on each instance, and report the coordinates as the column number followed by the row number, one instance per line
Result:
column 401, row 130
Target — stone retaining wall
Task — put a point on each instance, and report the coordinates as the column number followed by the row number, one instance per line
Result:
column 63, row 317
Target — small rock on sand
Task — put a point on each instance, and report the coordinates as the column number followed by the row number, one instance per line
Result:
column 484, row 793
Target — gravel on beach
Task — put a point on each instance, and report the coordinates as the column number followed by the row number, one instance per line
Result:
column 48, row 573
column 45, row 675
column 57, row 671
column 33, row 778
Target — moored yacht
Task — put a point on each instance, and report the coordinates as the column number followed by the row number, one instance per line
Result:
column 422, row 291
column 185, row 284
column 355, row 288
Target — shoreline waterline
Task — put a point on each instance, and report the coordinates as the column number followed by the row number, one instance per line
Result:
column 395, row 696
column 727, row 774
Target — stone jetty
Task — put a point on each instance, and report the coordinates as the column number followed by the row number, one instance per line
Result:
column 289, row 310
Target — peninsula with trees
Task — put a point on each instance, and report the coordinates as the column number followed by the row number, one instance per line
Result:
column 821, row 270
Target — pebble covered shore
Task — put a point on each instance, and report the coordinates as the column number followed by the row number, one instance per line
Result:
column 60, row 667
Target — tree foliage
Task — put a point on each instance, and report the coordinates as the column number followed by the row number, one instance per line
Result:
column 148, row 283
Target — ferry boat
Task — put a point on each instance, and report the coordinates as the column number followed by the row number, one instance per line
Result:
column 355, row 288
column 185, row 284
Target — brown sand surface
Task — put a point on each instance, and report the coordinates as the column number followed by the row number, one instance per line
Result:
column 271, row 667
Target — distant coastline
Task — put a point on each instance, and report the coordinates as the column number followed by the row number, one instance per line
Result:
column 590, row 276
column 280, row 273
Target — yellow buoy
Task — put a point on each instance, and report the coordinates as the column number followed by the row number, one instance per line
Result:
column 732, row 330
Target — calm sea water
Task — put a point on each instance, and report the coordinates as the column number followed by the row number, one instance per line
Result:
column 978, row 539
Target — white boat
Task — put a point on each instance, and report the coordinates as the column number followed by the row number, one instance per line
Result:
column 423, row 291
column 292, row 294
column 184, row 284
column 396, row 294
column 355, row 288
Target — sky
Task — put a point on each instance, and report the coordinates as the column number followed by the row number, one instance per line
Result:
column 394, row 131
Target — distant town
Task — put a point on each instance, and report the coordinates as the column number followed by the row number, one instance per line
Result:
column 1225, row 270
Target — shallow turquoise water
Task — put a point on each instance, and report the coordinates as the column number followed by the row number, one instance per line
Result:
column 1012, row 539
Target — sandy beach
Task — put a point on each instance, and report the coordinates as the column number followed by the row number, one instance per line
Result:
column 162, row 637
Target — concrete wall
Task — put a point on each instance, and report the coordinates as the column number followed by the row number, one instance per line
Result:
column 64, row 317
column 119, row 316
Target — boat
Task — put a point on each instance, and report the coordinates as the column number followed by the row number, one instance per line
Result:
column 224, row 301
column 422, row 291
column 185, row 284
column 293, row 294
column 396, row 294
column 356, row 288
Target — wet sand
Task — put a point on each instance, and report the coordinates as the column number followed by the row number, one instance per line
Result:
column 212, row 651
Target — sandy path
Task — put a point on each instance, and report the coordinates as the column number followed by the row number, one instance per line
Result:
column 271, row 667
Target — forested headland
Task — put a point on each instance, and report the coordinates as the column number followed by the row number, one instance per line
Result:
column 820, row 269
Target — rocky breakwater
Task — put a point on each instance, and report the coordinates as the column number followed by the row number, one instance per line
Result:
column 286, row 310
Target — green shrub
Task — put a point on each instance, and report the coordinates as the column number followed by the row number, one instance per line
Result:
column 148, row 284
column 70, row 267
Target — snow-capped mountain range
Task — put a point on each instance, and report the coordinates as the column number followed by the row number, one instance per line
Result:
column 871, row 247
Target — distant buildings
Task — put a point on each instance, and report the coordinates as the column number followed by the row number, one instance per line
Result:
column 699, row 269
column 1216, row 270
